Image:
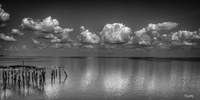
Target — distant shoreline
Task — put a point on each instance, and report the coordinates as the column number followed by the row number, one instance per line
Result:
column 131, row 58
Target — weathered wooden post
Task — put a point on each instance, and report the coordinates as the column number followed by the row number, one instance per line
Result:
column 43, row 75
column 19, row 80
column 36, row 77
column 12, row 75
column 51, row 76
column 32, row 76
column 56, row 72
column 59, row 74
column 8, row 76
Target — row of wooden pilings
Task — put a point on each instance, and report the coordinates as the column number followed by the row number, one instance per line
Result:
column 23, row 76
column 56, row 73
column 18, row 79
column 34, row 76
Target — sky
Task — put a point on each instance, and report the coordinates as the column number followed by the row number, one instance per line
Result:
column 100, row 28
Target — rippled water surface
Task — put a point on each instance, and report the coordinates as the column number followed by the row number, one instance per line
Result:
column 94, row 78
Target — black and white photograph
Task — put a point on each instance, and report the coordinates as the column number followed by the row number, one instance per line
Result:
column 99, row 50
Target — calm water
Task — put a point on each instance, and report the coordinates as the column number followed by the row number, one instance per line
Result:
column 110, row 79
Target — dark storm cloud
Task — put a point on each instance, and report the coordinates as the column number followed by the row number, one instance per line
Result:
column 87, row 37
column 115, row 33
column 7, row 38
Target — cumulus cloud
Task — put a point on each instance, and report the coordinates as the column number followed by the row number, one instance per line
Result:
column 44, row 35
column 59, row 45
column 2, row 24
column 48, row 25
column 154, row 29
column 24, row 47
column 4, row 16
column 38, row 44
column 161, row 26
column 15, row 48
column 48, row 29
column 12, row 48
column 7, row 38
column 87, row 37
column 62, row 38
column 184, row 37
column 16, row 32
column 49, row 36
column 153, row 34
column 35, row 41
column 115, row 33
column 145, row 39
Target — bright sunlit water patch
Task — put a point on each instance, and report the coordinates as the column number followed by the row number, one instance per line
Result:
column 6, row 94
column 52, row 91
column 115, row 84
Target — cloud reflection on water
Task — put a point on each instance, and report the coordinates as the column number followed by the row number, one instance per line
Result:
column 122, row 78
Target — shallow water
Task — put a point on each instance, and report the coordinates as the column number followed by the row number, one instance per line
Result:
column 110, row 79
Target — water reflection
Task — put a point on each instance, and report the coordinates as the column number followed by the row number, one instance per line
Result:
column 17, row 82
column 116, row 84
column 90, row 74
column 105, row 78
column 52, row 91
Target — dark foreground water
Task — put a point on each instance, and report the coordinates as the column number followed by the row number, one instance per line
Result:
column 94, row 78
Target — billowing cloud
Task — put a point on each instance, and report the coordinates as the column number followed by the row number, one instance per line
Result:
column 155, row 29
column 44, row 35
column 144, row 39
column 2, row 24
column 15, row 48
column 152, row 34
column 7, row 38
column 4, row 16
column 16, row 32
column 115, row 33
column 60, row 45
column 184, row 37
column 48, row 25
column 48, row 29
column 35, row 41
column 161, row 26
column 12, row 48
column 38, row 44
column 24, row 47
column 63, row 37
column 88, row 37
column 49, row 36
